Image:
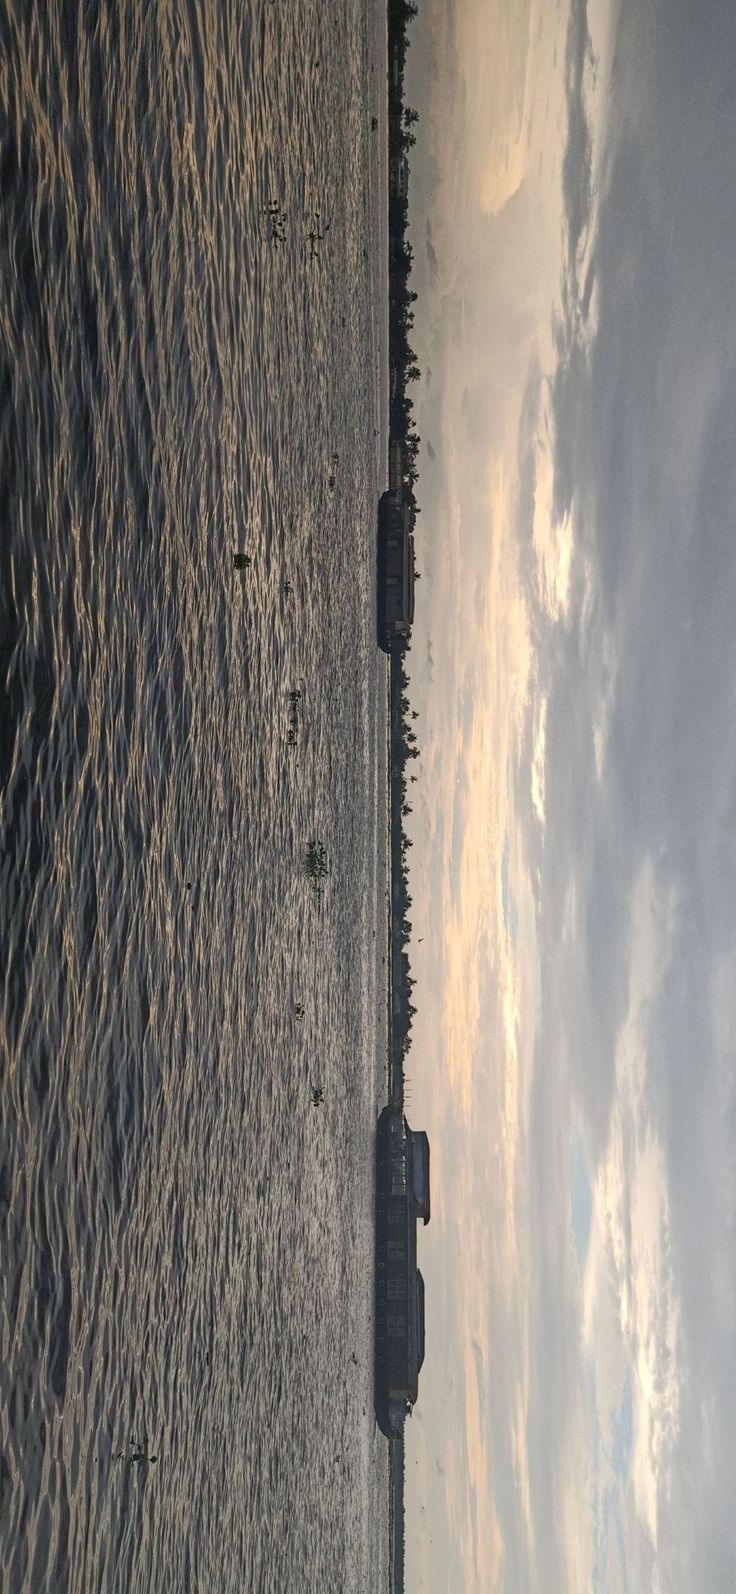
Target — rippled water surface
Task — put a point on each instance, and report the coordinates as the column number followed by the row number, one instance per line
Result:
column 186, row 1242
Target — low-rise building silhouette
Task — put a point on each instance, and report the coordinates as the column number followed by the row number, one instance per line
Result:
column 395, row 596
column 402, row 1198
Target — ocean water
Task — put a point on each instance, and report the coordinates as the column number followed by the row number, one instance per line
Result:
column 186, row 1241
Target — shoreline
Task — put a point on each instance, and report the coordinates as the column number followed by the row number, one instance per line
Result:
column 402, row 441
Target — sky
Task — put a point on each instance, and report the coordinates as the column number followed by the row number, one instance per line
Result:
column 573, row 217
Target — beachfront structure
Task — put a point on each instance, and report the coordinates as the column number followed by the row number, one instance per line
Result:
column 398, row 177
column 395, row 65
column 402, row 1198
column 395, row 466
column 395, row 597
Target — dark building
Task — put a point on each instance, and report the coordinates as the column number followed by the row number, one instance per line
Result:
column 402, row 1197
column 395, row 569
column 395, row 466
column 398, row 176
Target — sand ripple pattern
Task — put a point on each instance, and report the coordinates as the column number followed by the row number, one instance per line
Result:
column 185, row 1243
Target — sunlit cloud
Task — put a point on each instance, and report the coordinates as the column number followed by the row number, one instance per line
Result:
column 632, row 1313
column 552, row 537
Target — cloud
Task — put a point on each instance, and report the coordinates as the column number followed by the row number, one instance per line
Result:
column 640, row 778
column 432, row 261
column 578, row 793
column 632, row 1321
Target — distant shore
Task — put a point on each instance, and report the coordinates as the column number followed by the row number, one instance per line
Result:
column 403, row 444
column 396, row 1466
